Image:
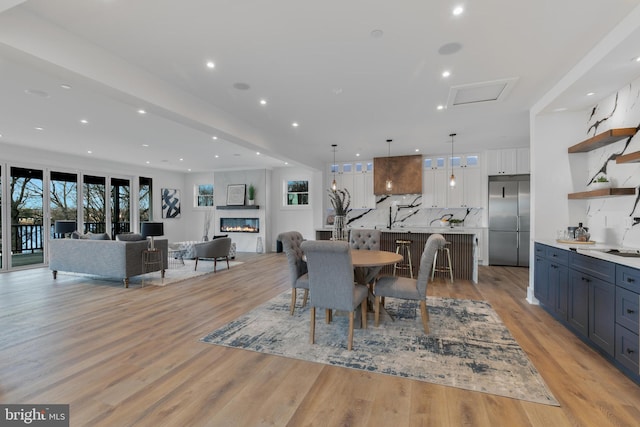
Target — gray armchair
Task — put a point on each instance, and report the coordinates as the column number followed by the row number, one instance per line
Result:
column 411, row 289
column 291, row 241
column 331, row 283
column 367, row 240
column 214, row 249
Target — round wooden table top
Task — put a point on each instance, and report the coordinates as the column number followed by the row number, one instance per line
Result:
column 364, row 258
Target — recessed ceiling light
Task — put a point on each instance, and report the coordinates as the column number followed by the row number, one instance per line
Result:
column 286, row 163
column 145, row 145
column 216, row 156
column 591, row 93
column 38, row 128
column 458, row 10
column 295, row 124
column 65, row 86
column 257, row 153
column 84, row 121
column 148, row 162
column 214, row 137
column 0, row 135
column 263, row 102
column 141, row 111
column 188, row 170
column 211, row 65
column 181, row 159
column 446, row 73
column 357, row 154
column 417, row 150
column 440, row 107
column 637, row 59
column 89, row 152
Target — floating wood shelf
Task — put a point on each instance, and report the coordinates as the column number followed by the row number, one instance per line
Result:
column 629, row 158
column 604, row 192
column 238, row 207
column 602, row 139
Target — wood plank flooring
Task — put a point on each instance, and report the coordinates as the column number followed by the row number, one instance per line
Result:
column 131, row 357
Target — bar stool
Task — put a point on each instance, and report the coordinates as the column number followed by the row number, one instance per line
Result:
column 403, row 247
column 446, row 256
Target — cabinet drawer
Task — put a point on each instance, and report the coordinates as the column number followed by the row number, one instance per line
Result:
column 560, row 256
column 595, row 267
column 627, row 349
column 540, row 249
column 628, row 278
column 627, row 305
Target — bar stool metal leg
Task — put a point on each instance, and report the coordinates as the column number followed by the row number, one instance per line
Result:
column 403, row 247
column 448, row 268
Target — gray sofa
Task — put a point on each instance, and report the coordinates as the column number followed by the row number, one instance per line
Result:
column 119, row 259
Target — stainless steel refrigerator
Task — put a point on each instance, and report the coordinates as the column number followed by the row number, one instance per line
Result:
column 509, row 214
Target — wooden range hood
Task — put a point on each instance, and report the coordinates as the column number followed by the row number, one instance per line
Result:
column 404, row 171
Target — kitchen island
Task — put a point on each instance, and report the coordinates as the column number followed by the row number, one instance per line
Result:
column 463, row 247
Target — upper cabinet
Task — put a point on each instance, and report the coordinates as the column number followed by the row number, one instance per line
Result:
column 510, row 161
column 437, row 193
column 357, row 178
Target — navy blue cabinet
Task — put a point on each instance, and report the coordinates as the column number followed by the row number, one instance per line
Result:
column 550, row 284
column 627, row 351
column 578, row 310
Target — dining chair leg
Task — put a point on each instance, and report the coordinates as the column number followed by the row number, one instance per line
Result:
column 215, row 264
column 377, row 315
column 351, row 320
column 227, row 258
column 425, row 316
column 305, row 297
column 328, row 315
column 312, row 332
column 363, row 308
column 293, row 300
column 196, row 267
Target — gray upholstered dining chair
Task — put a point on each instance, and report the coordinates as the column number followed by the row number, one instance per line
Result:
column 215, row 249
column 291, row 241
column 366, row 240
column 331, row 283
column 411, row 289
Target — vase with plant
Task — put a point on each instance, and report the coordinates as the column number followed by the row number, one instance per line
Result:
column 252, row 194
column 600, row 182
column 340, row 200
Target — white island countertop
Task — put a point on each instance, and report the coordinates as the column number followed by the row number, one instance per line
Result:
column 441, row 230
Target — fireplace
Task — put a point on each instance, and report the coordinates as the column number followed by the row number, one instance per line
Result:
column 240, row 225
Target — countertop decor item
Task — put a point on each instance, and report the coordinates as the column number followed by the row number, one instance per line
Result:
column 340, row 200
column 251, row 193
column 599, row 183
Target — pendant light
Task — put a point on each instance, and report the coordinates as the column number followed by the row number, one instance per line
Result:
column 452, row 179
column 334, row 166
column 389, row 184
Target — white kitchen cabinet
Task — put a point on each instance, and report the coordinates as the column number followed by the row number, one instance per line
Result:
column 509, row 161
column 362, row 196
column 434, row 188
column 357, row 178
column 467, row 193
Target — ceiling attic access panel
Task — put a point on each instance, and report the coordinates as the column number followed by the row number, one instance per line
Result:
column 404, row 171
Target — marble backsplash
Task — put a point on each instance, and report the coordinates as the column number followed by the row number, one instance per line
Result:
column 407, row 211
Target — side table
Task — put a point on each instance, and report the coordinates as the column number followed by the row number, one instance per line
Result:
column 151, row 261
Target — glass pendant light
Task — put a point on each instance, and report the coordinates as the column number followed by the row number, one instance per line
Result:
column 334, row 166
column 452, row 179
column 389, row 184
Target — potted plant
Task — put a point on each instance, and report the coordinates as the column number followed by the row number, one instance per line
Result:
column 600, row 182
column 340, row 200
column 252, row 194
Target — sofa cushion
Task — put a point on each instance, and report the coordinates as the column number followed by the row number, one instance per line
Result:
column 130, row 237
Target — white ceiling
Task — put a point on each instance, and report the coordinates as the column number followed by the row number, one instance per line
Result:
column 320, row 64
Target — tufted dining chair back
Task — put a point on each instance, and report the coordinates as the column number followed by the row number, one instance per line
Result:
column 361, row 238
column 298, row 277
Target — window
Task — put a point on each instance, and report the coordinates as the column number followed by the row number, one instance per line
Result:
column 203, row 195
column 297, row 193
column 145, row 199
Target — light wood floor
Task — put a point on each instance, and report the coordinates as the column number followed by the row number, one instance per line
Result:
column 124, row 357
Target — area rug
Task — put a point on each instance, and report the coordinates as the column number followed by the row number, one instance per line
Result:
column 174, row 274
column 468, row 346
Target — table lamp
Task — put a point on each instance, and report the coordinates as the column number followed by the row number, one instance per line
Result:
column 64, row 227
column 151, row 229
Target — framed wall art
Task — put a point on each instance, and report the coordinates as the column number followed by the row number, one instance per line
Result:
column 170, row 203
column 236, row 194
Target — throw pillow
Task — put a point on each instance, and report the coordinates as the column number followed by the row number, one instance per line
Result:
column 75, row 235
column 99, row 236
column 131, row 237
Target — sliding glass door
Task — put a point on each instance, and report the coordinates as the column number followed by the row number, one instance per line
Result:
column 120, row 206
column 94, row 212
column 27, row 234
column 63, row 198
